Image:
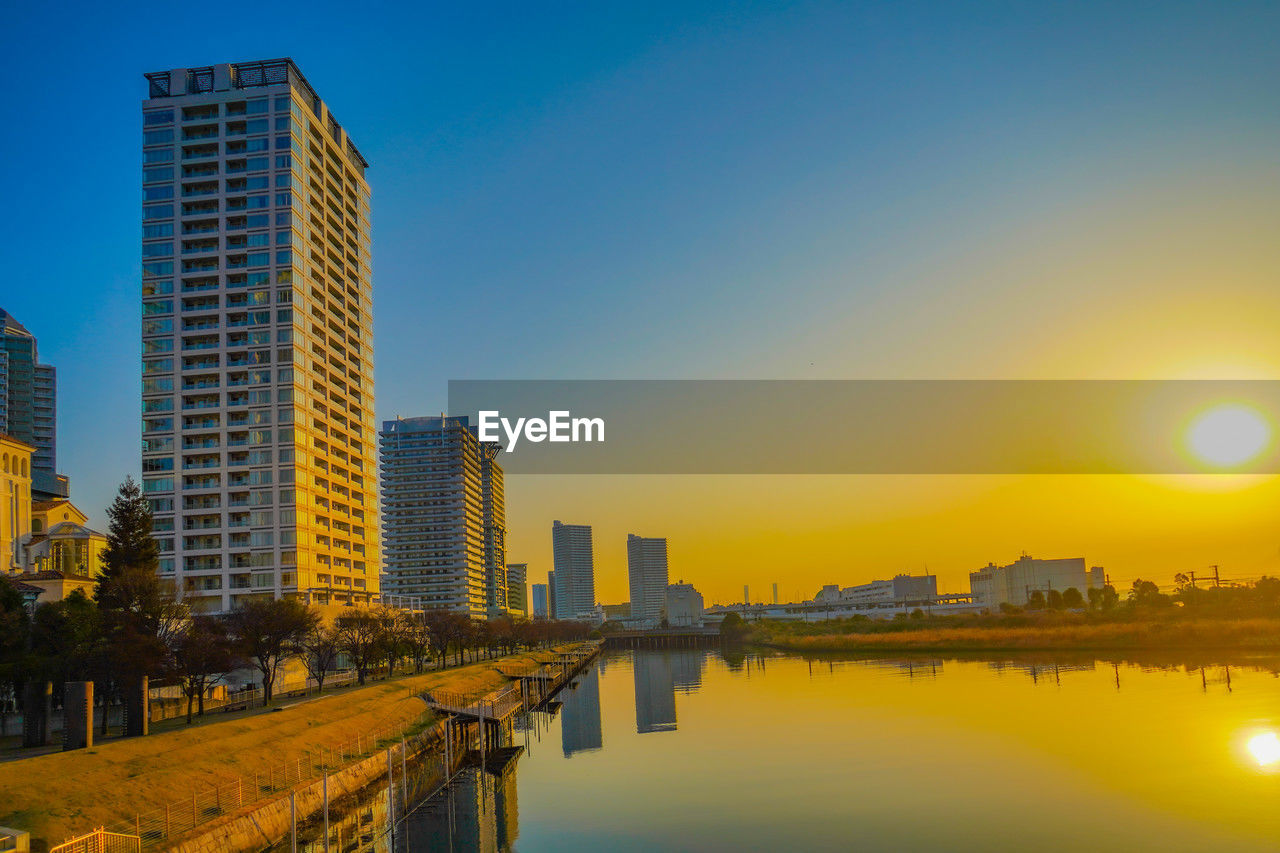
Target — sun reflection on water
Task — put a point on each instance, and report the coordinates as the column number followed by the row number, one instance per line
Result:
column 1264, row 748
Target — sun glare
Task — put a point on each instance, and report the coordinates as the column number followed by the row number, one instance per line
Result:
column 1265, row 748
column 1228, row 435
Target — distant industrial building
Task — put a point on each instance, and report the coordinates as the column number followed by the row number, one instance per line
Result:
column 683, row 605
column 879, row 599
column 575, row 571
column 647, row 572
column 900, row 589
column 540, row 610
column 517, row 599
column 1013, row 584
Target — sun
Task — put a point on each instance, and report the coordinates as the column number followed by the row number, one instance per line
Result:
column 1228, row 435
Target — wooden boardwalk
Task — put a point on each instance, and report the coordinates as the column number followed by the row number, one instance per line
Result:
column 531, row 688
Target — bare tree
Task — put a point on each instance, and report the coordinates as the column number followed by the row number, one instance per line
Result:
column 320, row 653
column 270, row 632
column 202, row 655
column 417, row 639
column 360, row 634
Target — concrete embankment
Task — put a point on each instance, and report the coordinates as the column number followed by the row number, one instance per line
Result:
column 268, row 823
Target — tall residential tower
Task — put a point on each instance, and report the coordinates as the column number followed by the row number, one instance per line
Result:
column 443, row 517
column 258, row 438
column 647, row 572
column 574, row 577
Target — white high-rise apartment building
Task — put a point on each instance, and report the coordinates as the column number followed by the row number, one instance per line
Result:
column 574, row 577
column 258, row 439
column 647, row 572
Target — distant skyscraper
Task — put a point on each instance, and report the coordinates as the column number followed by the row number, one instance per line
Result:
column 775, row 592
column 647, row 571
column 575, row 572
column 259, row 445
column 540, row 605
column 551, row 595
column 517, row 598
column 28, row 405
column 441, row 497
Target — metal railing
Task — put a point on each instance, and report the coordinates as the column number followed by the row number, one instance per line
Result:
column 179, row 817
column 495, row 705
column 100, row 841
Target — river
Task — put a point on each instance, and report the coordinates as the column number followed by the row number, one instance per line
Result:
column 693, row 750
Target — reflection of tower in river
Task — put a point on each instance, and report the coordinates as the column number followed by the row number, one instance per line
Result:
column 475, row 812
column 686, row 669
column 580, row 728
column 655, row 692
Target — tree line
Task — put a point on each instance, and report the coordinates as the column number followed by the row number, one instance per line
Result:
column 133, row 627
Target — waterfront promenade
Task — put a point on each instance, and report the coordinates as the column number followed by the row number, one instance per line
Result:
column 113, row 783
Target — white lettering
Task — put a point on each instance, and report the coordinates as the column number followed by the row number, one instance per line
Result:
column 559, row 426
column 512, row 433
column 588, row 424
column 489, row 426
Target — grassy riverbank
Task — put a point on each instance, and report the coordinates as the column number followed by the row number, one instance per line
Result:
column 55, row 795
column 1053, row 632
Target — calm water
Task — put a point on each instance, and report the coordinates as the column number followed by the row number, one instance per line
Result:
column 689, row 751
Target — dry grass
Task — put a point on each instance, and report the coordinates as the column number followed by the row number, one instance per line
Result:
column 1242, row 634
column 55, row 795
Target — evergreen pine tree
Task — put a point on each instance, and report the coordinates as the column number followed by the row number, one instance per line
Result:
column 129, row 541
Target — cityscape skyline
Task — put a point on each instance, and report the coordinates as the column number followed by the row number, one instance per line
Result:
column 909, row 369
column 1065, row 195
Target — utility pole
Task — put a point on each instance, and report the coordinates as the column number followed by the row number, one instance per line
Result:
column 1217, row 582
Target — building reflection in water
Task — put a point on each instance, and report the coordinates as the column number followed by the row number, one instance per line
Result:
column 477, row 811
column 655, row 693
column 659, row 675
column 580, row 729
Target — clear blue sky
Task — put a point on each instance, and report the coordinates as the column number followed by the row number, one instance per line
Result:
column 596, row 190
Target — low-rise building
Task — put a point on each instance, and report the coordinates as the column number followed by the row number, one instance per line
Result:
column 684, row 605
column 60, row 542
